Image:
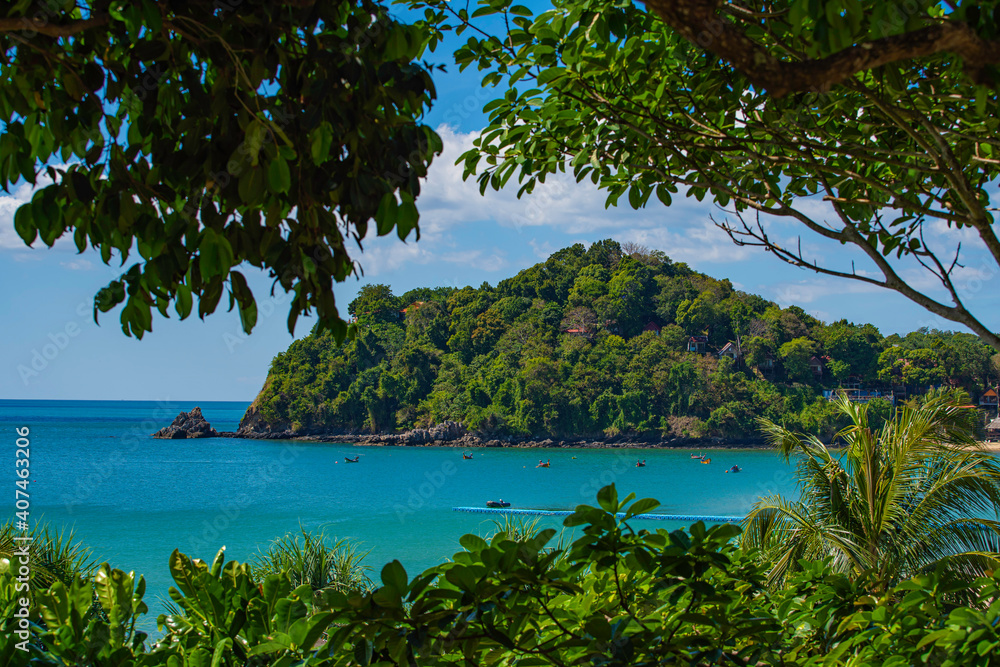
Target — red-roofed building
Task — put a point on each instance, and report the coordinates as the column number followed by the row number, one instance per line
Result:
column 697, row 344
column 989, row 401
column 413, row 306
column 652, row 326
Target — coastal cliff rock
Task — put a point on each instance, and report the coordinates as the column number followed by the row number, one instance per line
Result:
column 444, row 432
column 253, row 425
column 187, row 425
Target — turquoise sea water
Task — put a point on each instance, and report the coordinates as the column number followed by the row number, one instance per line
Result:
column 133, row 499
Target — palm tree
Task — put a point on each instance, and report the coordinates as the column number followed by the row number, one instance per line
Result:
column 917, row 494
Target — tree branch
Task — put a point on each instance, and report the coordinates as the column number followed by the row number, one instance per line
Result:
column 699, row 22
column 43, row 26
column 958, row 313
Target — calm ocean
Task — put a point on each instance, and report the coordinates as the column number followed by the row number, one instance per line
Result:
column 133, row 499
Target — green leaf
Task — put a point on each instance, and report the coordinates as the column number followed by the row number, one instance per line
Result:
column 279, row 176
column 607, row 498
column 642, row 506
column 256, row 134
column 312, row 629
column 244, row 297
column 217, row 562
column 406, row 219
column 215, row 255
column 363, row 652
column 272, row 646
column 183, row 301
column 183, row 573
column 320, row 142
column 387, row 213
column 103, row 588
column 472, row 542
column 221, row 647
column 73, row 85
column 286, row 612
column 24, row 225
column 550, row 74
column 394, row 575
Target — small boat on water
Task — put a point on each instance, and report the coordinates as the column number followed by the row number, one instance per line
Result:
column 706, row 460
column 544, row 465
column 466, row 456
column 735, row 469
column 698, row 457
column 354, row 460
column 497, row 503
column 640, row 464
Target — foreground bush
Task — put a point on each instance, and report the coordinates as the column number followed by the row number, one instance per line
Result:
column 615, row 596
column 309, row 559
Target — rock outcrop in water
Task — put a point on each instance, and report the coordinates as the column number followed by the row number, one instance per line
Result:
column 188, row 425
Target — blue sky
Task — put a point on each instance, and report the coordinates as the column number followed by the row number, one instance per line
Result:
column 51, row 348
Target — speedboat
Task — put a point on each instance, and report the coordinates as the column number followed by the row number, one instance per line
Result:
column 497, row 503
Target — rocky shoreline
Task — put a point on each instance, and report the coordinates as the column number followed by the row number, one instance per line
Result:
column 475, row 442
column 446, row 434
column 453, row 434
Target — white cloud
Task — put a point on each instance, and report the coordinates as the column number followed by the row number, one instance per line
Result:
column 699, row 241
column 450, row 206
column 78, row 264
column 803, row 292
column 9, row 203
column 494, row 261
column 561, row 202
column 542, row 250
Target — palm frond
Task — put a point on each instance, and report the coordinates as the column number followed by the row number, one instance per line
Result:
column 56, row 555
column 918, row 493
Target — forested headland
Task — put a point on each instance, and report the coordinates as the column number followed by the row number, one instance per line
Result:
column 602, row 341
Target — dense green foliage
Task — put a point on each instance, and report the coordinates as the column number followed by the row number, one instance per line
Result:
column 892, row 122
column 615, row 596
column 917, row 494
column 561, row 349
column 206, row 134
column 55, row 554
column 309, row 558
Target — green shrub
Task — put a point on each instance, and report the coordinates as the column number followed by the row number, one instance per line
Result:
column 308, row 559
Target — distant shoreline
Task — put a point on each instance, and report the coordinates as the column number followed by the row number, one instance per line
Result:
column 470, row 441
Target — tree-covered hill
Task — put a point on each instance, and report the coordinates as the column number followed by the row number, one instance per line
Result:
column 609, row 339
